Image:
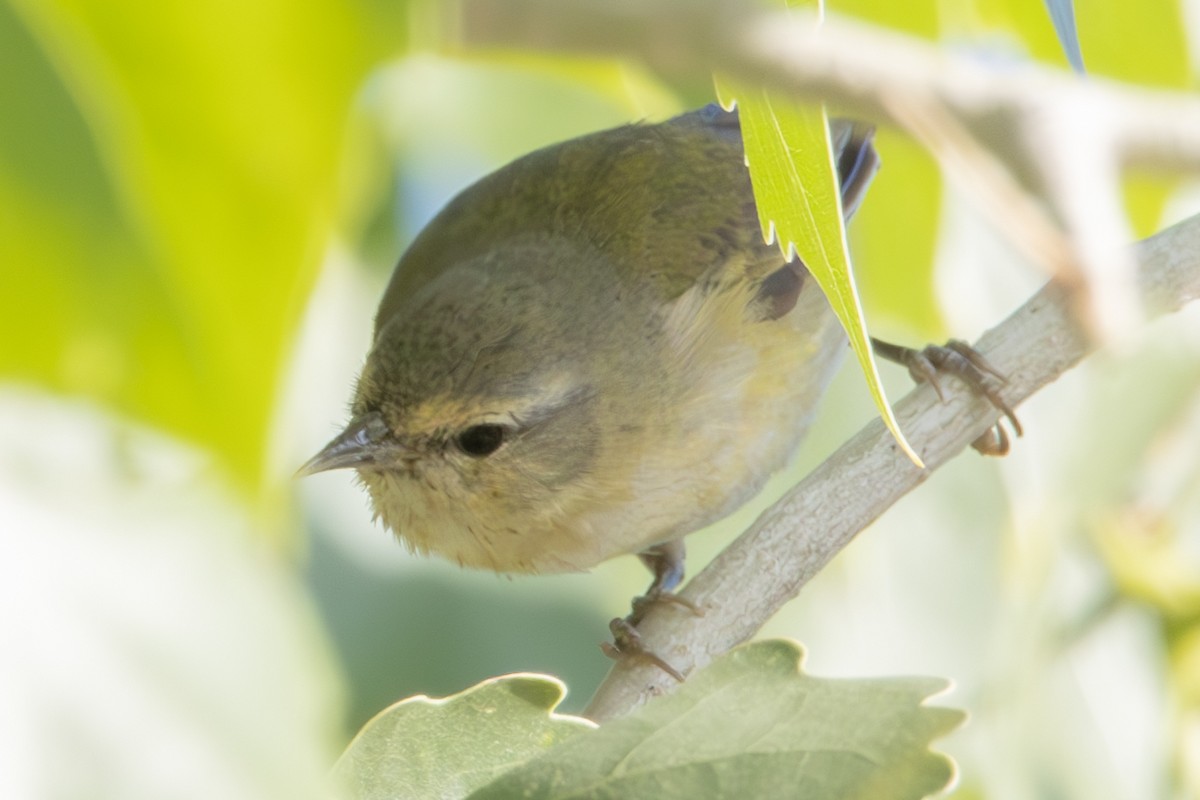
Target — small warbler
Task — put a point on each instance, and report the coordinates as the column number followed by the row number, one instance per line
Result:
column 592, row 352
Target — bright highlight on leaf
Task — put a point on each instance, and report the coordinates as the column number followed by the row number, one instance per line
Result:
column 799, row 206
column 421, row 748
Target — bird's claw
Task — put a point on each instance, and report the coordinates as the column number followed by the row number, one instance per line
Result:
column 627, row 643
column 960, row 359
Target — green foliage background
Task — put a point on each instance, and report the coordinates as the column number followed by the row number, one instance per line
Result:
column 199, row 204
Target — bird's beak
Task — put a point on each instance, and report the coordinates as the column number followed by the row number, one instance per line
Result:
column 361, row 444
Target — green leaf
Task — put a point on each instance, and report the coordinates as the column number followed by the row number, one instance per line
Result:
column 894, row 237
column 422, row 748
column 1024, row 20
column 917, row 17
column 1138, row 42
column 799, row 207
column 168, row 173
column 1143, row 43
column 752, row 725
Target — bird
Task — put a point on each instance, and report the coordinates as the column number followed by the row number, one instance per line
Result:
column 593, row 352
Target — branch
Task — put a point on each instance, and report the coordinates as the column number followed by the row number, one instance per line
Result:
column 855, row 67
column 1037, row 149
column 771, row 562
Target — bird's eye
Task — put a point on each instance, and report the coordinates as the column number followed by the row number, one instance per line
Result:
column 481, row 440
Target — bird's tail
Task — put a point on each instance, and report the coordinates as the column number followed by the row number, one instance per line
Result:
column 856, row 159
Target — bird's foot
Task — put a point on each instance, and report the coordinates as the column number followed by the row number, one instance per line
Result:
column 643, row 603
column 666, row 562
column 627, row 643
column 959, row 359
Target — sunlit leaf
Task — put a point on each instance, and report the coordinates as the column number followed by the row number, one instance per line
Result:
column 894, row 237
column 753, row 725
column 1138, row 42
column 174, row 258
column 1145, row 197
column 422, row 748
column 1025, row 23
column 799, row 206
column 1142, row 43
column 919, row 17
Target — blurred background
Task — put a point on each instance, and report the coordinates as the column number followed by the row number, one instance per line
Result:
column 200, row 205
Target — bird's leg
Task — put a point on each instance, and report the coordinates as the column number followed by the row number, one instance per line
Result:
column 960, row 359
column 666, row 562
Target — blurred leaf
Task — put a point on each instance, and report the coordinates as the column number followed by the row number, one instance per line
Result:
column 154, row 649
column 422, row 748
column 1138, row 42
column 1143, row 43
column 75, row 283
column 1185, row 667
column 207, row 138
column 431, row 125
column 1148, row 563
column 799, row 207
column 1123, row 422
column 1146, row 199
column 919, row 18
column 894, row 236
column 1062, row 15
column 1028, row 23
column 1147, row 500
column 627, row 86
column 752, row 725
